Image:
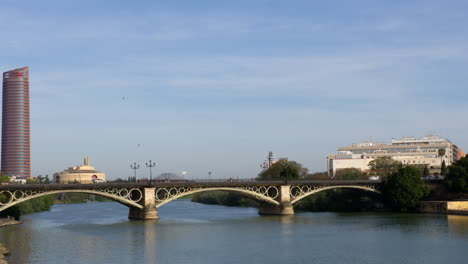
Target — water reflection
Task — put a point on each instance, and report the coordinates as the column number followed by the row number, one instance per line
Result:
column 150, row 249
column 458, row 224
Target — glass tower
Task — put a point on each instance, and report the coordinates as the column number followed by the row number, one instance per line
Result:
column 16, row 152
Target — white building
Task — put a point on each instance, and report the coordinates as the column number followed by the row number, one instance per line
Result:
column 80, row 174
column 409, row 150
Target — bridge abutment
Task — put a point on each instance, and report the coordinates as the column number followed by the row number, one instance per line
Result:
column 149, row 210
column 284, row 208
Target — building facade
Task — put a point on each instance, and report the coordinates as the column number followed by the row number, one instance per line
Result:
column 409, row 151
column 16, row 150
column 80, row 174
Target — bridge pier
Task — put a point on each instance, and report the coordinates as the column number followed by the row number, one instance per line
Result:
column 284, row 208
column 149, row 210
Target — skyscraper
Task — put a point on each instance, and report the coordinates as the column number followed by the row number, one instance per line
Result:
column 16, row 152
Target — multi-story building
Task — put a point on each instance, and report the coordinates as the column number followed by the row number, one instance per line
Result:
column 16, row 152
column 409, row 150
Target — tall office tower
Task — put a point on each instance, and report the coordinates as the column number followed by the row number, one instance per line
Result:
column 16, row 152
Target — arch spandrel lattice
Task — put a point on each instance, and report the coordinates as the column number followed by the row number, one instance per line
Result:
column 298, row 192
column 127, row 196
column 266, row 194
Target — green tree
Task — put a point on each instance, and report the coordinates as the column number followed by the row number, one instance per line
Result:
column 425, row 171
column 441, row 153
column 404, row 188
column 34, row 205
column 47, row 180
column 4, row 178
column 384, row 166
column 39, row 179
column 350, row 174
column 457, row 176
column 317, row 176
column 282, row 169
column 31, row 181
column 443, row 168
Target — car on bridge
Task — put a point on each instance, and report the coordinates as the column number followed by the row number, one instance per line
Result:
column 99, row 181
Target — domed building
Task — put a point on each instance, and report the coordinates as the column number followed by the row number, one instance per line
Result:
column 80, row 174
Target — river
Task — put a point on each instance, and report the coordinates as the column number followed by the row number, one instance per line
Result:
column 196, row 233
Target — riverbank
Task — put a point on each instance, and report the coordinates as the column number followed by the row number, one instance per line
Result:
column 3, row 253
column 8, row 221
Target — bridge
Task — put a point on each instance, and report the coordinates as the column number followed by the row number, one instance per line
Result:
column 143, row 199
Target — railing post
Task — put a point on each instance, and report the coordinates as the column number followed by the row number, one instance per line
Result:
column 284, row 208
column 149, row 210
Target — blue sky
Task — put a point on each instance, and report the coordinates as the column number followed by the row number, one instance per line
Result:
column 214, row 85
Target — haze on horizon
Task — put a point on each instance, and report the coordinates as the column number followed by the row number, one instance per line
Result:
column 202, row 86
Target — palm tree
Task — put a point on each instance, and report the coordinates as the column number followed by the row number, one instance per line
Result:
column 441, row 154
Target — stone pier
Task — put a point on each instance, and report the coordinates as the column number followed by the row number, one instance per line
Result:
column 284, row 208
column 149, row 210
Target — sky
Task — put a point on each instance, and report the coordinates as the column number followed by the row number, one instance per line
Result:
column 201, row 86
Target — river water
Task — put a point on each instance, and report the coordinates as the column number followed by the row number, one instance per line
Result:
column 195, row 233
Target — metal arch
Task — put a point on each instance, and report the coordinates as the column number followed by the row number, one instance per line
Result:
column 315, row 189
column 186, row 191
column 125, row 200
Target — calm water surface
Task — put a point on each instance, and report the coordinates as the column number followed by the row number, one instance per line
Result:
column 195, row 233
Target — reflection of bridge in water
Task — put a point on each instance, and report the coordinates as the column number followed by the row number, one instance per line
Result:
column 143, row 200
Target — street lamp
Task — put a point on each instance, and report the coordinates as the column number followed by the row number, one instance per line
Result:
column 134, row 167
column 150, row 165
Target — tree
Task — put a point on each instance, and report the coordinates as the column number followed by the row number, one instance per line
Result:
column 350, row 174
column 317, row 176
column 443, row 168
column 384, row 166
column 282, row 169
column 404, row 188
column 39, row 179
column 457, row 176
column 441, row 153
column 4, row 178
column 425, row 171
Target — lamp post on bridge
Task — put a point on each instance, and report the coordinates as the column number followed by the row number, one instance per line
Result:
column 134, row 167
column 150, row 165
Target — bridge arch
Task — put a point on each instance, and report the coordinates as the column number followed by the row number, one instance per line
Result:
column 299, row 192
column 120, row 196
column 266, row 194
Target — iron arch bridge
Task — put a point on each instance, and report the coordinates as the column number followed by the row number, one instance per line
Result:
column 298, row 192
column 143, row 199
column 20, row 193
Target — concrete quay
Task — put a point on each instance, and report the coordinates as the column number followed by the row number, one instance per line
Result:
column 444, row 207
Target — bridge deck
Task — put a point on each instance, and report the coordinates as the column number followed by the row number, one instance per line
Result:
column 12, row 187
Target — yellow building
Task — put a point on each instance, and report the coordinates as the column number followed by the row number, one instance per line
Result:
column 80, row 174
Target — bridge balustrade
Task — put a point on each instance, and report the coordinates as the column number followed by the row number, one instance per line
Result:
column 143, row 199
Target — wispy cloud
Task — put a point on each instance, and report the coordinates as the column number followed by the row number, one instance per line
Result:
column 195, row 80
